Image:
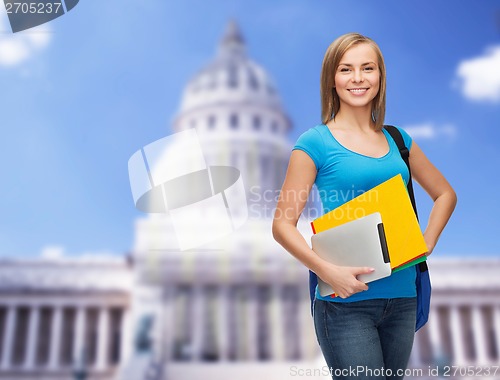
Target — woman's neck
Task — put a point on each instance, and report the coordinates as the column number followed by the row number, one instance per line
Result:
column 354, row 119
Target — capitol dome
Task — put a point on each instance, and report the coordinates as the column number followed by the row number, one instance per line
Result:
column 232, row 82
column 236, row 110
column 232, row 77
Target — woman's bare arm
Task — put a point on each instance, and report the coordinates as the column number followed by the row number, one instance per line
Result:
column 438, row 188
column 298, row 182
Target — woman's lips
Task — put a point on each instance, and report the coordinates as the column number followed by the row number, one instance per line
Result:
column 358, row 91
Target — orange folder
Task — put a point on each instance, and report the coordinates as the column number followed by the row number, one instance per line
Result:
column 405, row 241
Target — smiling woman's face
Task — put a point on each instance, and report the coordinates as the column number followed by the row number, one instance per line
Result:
column 357, row 79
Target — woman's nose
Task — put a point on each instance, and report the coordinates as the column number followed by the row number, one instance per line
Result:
column 357, row 76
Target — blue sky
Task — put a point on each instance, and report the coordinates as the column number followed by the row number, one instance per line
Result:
column 81, row 96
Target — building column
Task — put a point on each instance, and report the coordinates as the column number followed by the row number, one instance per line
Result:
column 457, row 336
column 32, row 341
column 277, row 323
column 168, row 322
column 251, row 311
column 415, row 357
column 55, row 338
column 241, row 324
column 79, row 343
column 307, row 336
column 8, row 338
column 496, row 325
column 223, row 322
column 102, row 339
column 197, row 324
column 480, row 340
column 127, row 342
column 156, row 334
column 435, row 334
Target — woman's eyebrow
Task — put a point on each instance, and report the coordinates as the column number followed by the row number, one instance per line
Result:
column 363, row 64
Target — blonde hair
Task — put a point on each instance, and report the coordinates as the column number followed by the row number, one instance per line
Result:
column 330, row 102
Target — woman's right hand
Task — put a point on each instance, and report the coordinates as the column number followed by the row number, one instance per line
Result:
column 343, row 279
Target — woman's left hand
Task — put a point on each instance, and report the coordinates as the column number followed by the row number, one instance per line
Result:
column 430, row 243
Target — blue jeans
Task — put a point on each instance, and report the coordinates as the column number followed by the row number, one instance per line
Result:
column 370, row 339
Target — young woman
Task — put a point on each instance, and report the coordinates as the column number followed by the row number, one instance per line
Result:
column 365, row 326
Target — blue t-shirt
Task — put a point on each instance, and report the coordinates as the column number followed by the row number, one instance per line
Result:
column 343, row 175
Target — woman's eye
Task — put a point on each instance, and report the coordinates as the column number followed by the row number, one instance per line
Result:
column 369, row 68
column 344, row 69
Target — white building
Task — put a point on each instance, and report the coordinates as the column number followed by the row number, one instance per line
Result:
column 236, row 308
column 53, row 311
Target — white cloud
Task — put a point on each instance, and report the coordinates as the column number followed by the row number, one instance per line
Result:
column 479, row 78
column 52, row 252
column 58, row 253
column 15, row 48
column 431, row 131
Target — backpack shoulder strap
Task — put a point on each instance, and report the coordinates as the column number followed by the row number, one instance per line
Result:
column 405, row 154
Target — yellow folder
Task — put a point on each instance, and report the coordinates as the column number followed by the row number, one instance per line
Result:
column 405, row 241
